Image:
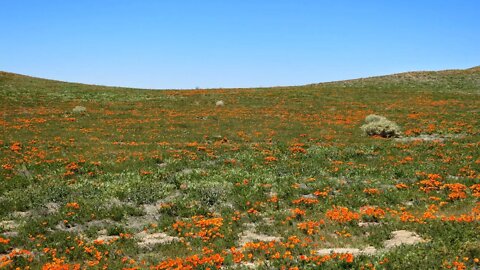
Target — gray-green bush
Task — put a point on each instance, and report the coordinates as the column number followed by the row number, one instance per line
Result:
column 377, row 125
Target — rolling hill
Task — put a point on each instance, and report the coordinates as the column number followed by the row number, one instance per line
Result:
column 108, row 177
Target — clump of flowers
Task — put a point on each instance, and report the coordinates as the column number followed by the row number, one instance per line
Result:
column 73, row 205
column 297, row 148
column 342, row 215
column 270, row 159
column 305, row 201
column 71, row 168
column 372, row 213
column 16, row 147
column 310, row 227
column 475, row 190
column 200, row 227
column 431, row 183
column 457, row 191
column 371, row 191
column 401, row 186
column 376, row 125
column 296, row 213
column 4, row 241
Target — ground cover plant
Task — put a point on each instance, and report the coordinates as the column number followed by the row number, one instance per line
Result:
column 273, row 178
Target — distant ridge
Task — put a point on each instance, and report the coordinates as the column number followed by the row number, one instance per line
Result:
column 472, row 73
column 408, row 75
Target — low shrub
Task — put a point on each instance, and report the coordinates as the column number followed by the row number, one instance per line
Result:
column 79, row 109
column 376, row 125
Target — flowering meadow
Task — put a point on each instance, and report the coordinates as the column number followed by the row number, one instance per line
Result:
column 274, row 178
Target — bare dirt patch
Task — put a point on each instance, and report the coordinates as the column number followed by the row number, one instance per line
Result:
column 403, row 237
column 430, row 138
column 250, row 235
column 149, row 240
column 8, row 225
column 354, row 251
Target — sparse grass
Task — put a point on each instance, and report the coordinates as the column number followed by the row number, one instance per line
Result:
column 279, row 162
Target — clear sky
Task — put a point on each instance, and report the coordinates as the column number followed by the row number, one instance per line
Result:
column 234, row 43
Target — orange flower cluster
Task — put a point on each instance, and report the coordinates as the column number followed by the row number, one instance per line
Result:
column 371, row 191
column 305, row 201
column 457, row 191
column 73, row 205
column 4, row 241
column 200, row 227
column 96, row 256
column 273, row 199
column 192, row 262
column 475, row 190
column 7, row 259
column 59, row 264
column 342, row 214
column 372, row 211
column 430, row 213
column 310, row 227
column 272, row 249
column 318, row 260
column 253, row 211
column 16, row 147
column 406, row 160
column 270, row 159
column 71, row 169
column 409, row 217
column 401, row 186
column 7, row 167
column 458, row 265
column 145, row 172
column 431, row 183
column 464, row 218
column 323, row 193
column 244, row 183
column 343, row 233
column 259, row 245
column 297, row 213
column 298, row 148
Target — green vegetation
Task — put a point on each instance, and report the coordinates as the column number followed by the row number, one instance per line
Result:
column 102, row 177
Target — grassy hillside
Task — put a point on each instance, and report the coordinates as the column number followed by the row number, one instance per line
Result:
column 274, row 178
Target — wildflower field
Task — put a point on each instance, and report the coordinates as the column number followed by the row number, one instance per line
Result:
column 98, row 177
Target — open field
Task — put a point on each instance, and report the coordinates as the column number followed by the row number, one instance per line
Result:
column 276, row 178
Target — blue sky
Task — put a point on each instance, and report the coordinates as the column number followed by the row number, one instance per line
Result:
column 234, row 43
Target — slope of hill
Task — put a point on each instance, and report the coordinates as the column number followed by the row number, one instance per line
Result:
column 109, row 177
